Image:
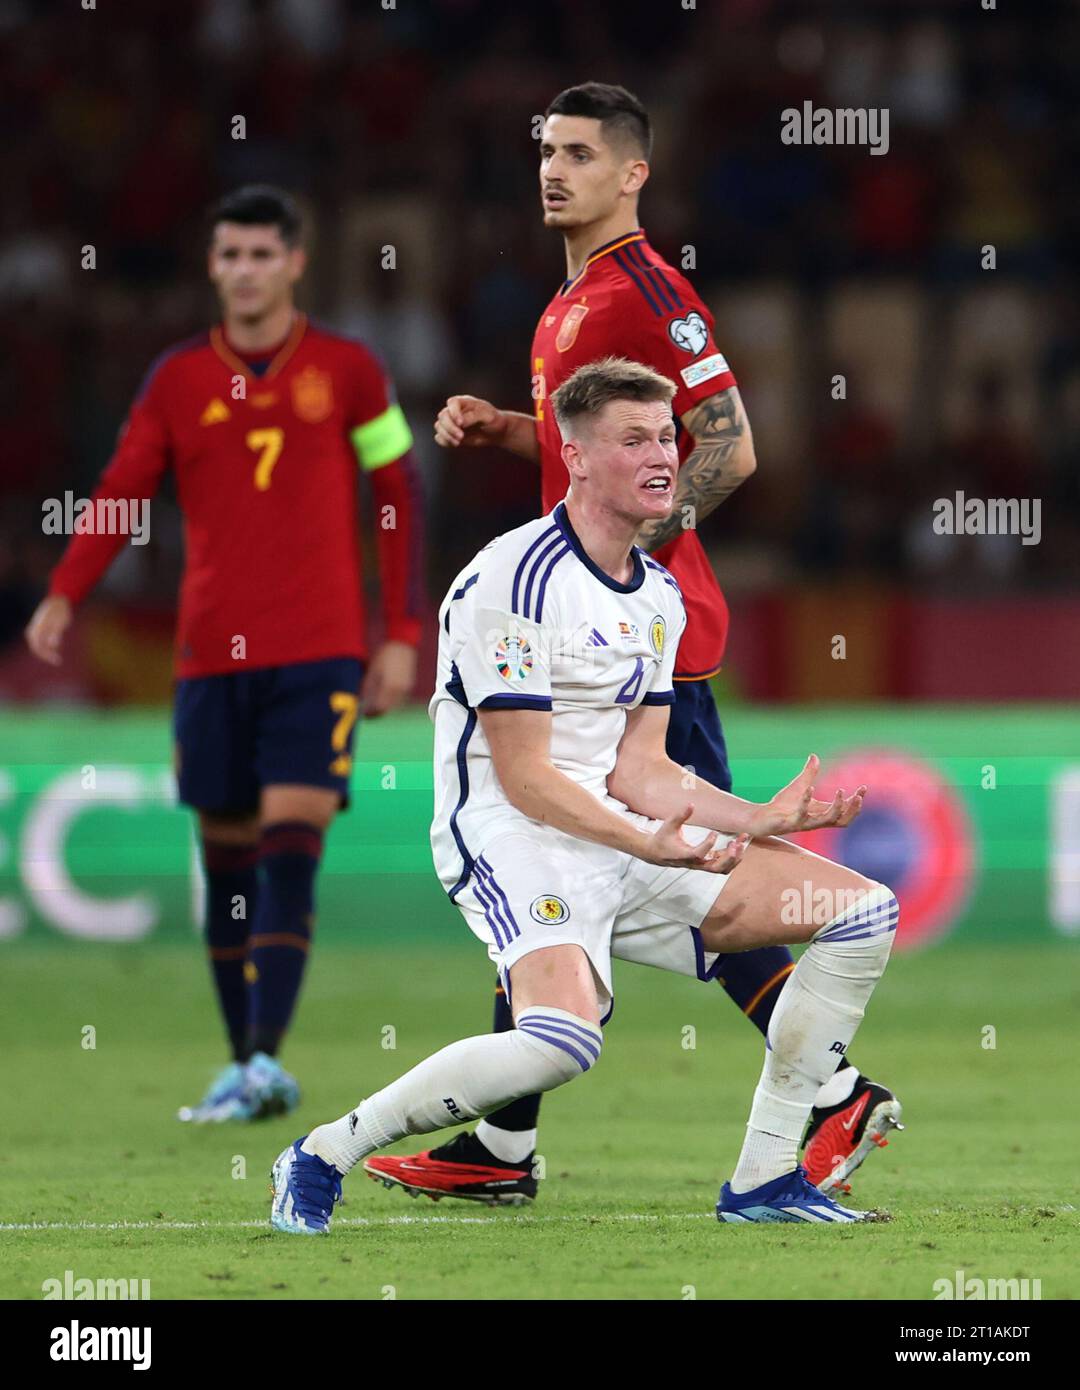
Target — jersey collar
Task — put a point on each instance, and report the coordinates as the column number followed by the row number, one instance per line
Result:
column 570, row 285
column 220, row 345
column 562, row 521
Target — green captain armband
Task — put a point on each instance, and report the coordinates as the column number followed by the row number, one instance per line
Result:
column 383, row 439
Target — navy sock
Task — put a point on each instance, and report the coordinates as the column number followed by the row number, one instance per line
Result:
column 231, row 886
column 754, row 979
column 522, row 1113
column 289, row 853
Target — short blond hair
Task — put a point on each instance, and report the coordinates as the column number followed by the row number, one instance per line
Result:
column 588, row 390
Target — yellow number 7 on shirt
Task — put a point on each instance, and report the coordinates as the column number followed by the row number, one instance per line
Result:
column 269, row 442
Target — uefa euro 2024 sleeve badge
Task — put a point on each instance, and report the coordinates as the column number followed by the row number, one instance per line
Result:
column 513, row 658
column 690, row 333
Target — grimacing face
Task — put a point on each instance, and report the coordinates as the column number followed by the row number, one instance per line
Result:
column 626, row 459
column 582, row 176
column 252, row 269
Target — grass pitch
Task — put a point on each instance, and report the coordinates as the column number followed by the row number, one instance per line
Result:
column 97, row 1176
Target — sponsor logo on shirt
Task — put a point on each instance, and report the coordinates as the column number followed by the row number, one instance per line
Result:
column 513, row 658
column 690, row 333
column 568, row 329
column 705, row 370
column 548, row 910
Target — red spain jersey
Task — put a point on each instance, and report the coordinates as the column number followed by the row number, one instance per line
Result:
column 628, row 302
column 265, row 452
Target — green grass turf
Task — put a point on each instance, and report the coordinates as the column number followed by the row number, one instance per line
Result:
column 984, row 1179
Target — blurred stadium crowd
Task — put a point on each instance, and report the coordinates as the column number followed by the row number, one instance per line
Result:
column 412, row 127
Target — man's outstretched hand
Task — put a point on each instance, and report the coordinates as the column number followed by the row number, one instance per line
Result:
column 795, row 807
column 468, row 420
column 669, row 847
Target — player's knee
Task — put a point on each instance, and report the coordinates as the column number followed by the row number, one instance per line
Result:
column 568, row 1044
column 239, row 830
column 863, row 928
column 314, row 806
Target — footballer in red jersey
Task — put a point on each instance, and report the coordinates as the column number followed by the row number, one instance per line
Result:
column 263, row 422
column 621, row 299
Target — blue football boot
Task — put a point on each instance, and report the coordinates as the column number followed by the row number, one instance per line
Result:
column 225, row 1099
column 268, row 1089
column 306, row 1189
column 790, row 1197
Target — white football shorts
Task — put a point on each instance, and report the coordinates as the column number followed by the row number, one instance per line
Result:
column 538, row 886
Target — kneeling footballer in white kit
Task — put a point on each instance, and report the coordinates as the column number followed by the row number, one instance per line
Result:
column 566, row 836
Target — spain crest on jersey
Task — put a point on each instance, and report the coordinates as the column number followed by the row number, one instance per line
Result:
column 657, row 630
column 313, row 395
column 571, row 324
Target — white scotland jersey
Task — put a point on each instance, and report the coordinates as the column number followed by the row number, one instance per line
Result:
column 533, row 623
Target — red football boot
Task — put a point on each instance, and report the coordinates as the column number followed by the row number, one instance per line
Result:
column 840, row 1137
column 463, row 1167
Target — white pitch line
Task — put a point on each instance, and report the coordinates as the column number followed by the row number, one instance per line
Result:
column 504, row 1218
column 351, row 1221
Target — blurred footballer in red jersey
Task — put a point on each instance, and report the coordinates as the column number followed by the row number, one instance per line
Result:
column 620, row 298
column 263, row 422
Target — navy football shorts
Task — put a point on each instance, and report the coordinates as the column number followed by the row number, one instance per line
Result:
column 238, row 733
column 694, row 737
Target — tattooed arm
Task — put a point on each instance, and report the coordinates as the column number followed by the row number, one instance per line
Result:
column 722, row 458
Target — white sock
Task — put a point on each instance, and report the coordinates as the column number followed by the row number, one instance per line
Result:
column 511, row 1145
column 817, row 1014
column 469, row 1078
column 837, row 1089
column 763, row 1157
